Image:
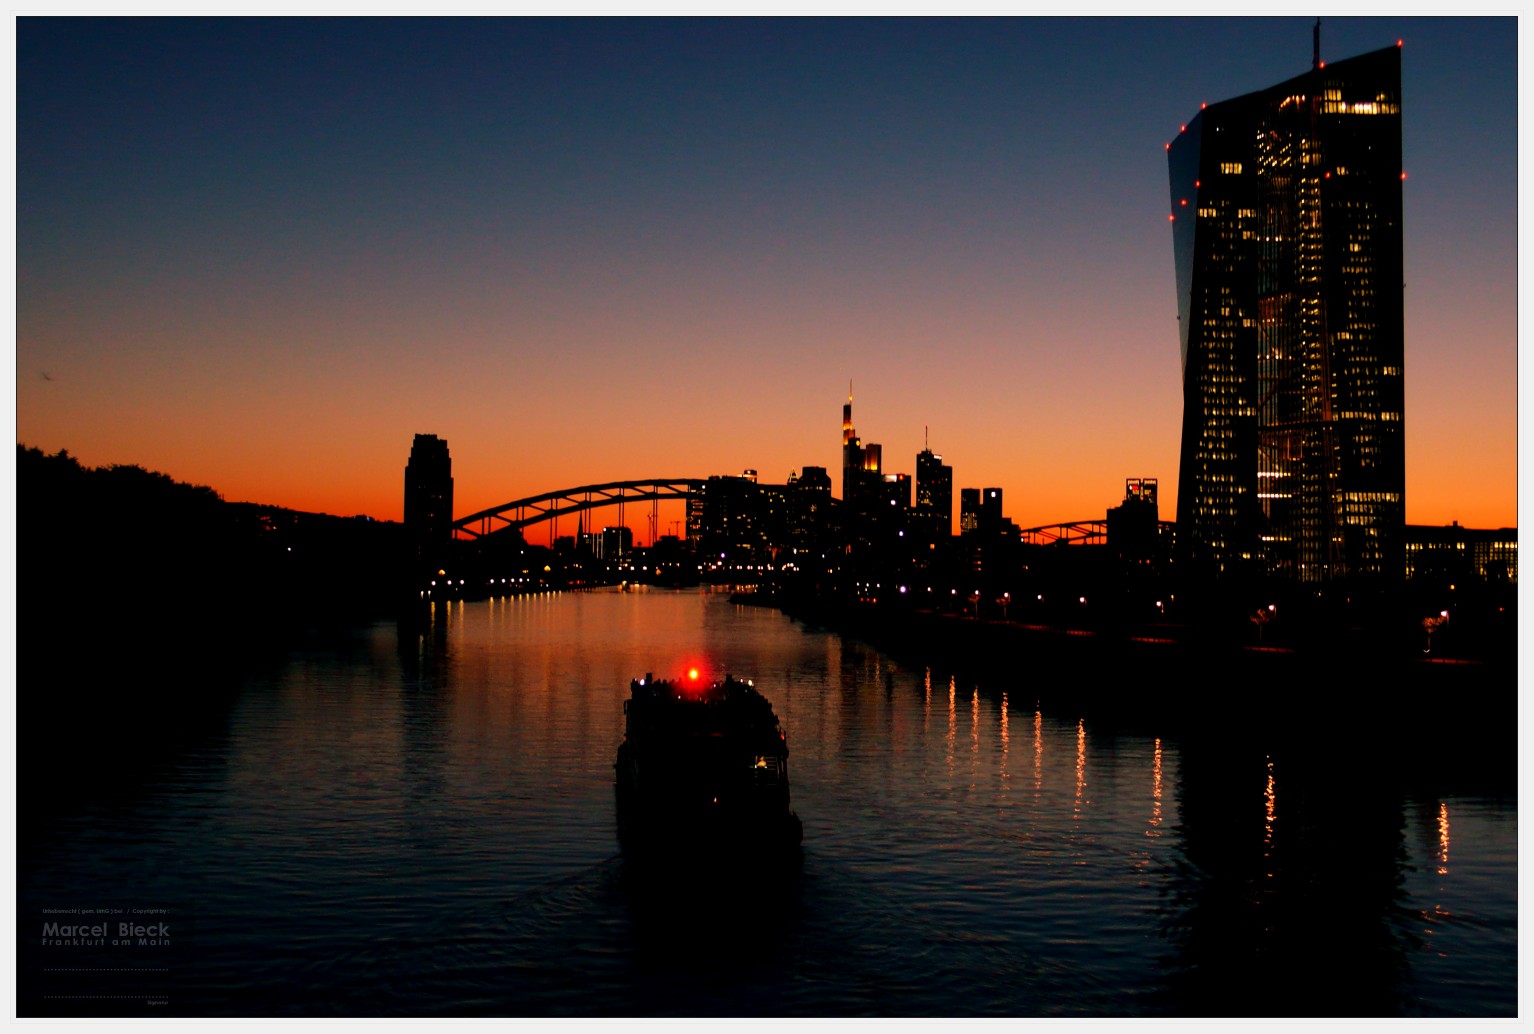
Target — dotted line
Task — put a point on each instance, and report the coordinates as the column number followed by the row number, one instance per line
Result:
column 59, row 969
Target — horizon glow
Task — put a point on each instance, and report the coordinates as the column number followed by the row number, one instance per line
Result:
column 262, row 254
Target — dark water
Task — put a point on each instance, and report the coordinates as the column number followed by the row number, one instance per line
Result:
column 423, row 824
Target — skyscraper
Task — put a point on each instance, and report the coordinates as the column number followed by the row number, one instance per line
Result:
column 1286, row 219
column 934, row 493
column 990, row 510
column 852, row 451
column 969, row 511
column 429, row 501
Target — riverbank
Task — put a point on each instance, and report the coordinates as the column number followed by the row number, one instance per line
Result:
column 1349, row 693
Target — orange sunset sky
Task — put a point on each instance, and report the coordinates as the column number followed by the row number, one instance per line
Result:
column 261, row 256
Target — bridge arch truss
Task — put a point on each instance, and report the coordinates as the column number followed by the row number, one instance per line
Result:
column 520, row 514
column 1078, row 533
column 1069, row 533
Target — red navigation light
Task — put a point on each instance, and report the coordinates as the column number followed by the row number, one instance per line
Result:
column 1403, row 175
column 1182, row 129
column 1171, row 217
column 1321, row 65
column 1196, row 184
column 1168, row 147
column 1201, row 107
column 1398, row 42
column 1185, row 202
column 1327, row 176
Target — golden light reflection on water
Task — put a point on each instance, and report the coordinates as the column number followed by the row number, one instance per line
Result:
column 974, row 720
column 926, row 707
column 1443, row 838
column 1081, row 760
column 1270, row 808
column 1038, row 751
column 1005, row 739
column 1153, row 829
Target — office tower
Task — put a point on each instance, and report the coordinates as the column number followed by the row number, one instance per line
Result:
column 934, row 492
column 969, row 510
column 861, row 464
column 615, row 544
column 873, row 459
column 809, row 512
column 695, row 507
column 990, row 510
column 1141, row 490
column 1286, row 219
column 894, row 492
column 429, row 501
column 1134, row 526
column 732, row 527
column 814, row 479
column 852, row 452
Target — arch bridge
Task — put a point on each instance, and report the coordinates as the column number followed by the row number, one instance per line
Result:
column 1067, row 533
column 550, row 506
column 1076, row 533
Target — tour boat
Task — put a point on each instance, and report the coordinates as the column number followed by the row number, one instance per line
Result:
column 703, row 764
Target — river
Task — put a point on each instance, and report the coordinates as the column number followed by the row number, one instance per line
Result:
column 420, row 822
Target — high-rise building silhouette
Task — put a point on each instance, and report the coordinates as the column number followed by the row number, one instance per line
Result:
column 852, row 452
column 429, row 502
column 990, row 510
column 1286, row 218
column 969, row 510
column 934, row 493
column 1134, row 526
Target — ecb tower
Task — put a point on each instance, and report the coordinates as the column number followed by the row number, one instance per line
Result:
column 1286, row 225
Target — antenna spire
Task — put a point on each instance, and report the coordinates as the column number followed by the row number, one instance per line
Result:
column 1315, row 54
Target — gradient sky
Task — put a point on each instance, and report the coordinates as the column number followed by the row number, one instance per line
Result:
column 262, row 255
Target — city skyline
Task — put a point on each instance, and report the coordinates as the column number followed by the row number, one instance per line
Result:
column 592, row 251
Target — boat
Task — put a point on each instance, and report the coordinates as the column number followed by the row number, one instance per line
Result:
column 703, row 764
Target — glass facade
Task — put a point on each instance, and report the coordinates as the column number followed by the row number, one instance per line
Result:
column 1286, row 213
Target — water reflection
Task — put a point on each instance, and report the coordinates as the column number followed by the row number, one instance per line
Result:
column 1038, row 752
column 1270, row 801
column 1443, row 838
column 953, row 718
column 1312, row 922
column 1005, row 742
column 1081, row 761
column 449, row 794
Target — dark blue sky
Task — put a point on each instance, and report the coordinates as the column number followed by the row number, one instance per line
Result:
column 505, row 231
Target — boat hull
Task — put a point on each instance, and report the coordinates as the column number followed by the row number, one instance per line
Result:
column 703, row 771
